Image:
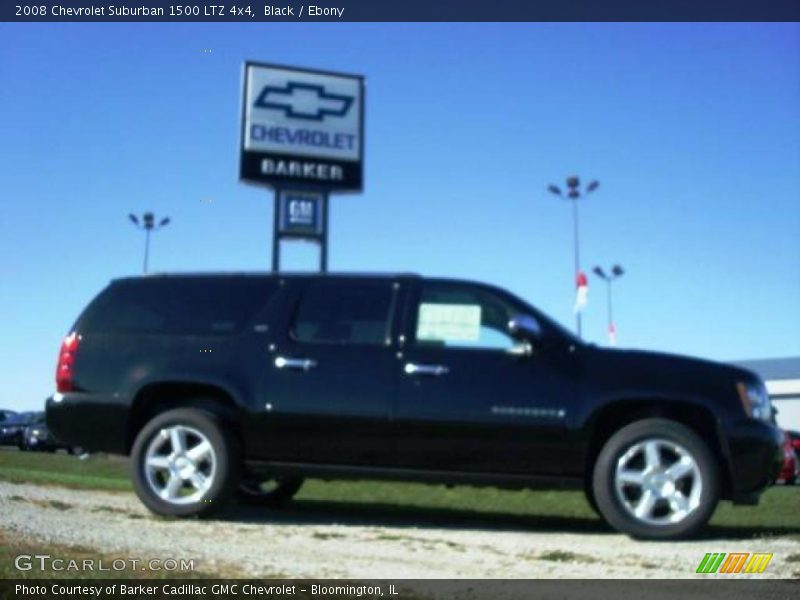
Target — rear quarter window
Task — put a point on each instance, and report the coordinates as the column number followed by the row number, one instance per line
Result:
column 177, row 306
column 344, row 313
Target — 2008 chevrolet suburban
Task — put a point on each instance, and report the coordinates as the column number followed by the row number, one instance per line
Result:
column 225, row 385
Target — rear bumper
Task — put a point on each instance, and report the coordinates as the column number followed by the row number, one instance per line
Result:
column 91, row 421
column 755, row 450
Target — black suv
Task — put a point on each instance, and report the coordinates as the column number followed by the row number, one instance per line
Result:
column 219, row 385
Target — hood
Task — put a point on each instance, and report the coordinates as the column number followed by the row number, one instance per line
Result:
column 639, row 370
column 672, row 361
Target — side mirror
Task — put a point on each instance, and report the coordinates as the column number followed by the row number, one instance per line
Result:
column 525, row 327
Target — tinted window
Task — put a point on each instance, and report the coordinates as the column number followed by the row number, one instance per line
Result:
column 344, row 313
column 460, row 315
column 199, row 306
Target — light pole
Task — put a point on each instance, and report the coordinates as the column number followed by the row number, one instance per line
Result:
column 616, row 273
column 148, row 224
column 574, row 192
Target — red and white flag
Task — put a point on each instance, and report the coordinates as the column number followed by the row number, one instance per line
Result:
column 582, row 293
column 612, row 334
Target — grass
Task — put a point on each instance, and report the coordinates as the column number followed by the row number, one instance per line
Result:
column 95, row 472
column 407, row 504
column 57, row 504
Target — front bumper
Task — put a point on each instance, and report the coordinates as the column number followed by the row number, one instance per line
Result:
column 10, row 438
column 756, row 457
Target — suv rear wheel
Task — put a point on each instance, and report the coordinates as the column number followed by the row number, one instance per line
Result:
column 656, row 479
column 185, row 463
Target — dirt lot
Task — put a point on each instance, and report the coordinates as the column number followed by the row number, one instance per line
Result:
column 298, row 543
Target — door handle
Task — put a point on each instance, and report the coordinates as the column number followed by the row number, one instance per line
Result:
column 304, row 364
column 415, row 369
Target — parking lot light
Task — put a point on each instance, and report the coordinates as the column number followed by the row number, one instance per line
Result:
column 148, row 224
column 574, row 193
column 616, row 272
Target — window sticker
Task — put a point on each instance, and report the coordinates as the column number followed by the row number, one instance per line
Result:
column 449, row 322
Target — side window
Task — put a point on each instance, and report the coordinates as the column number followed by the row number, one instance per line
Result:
column 462, row 316
column 344, row 313
column 179, row 306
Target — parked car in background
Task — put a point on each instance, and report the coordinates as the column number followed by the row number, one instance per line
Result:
column 5, row 414
column 790, row 468
column 794, row 437
column 37, row 438
column 218, row 385
column 12, row 429
column 790, row 471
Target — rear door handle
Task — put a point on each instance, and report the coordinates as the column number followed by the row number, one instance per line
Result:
column 416, row 369
column 303, row 364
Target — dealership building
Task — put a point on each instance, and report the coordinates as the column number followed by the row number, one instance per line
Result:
column 782, row 376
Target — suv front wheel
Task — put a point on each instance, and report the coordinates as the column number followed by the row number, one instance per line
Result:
column 184, row 463
column 656, row 479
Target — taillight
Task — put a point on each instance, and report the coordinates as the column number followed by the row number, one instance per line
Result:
column 66, row 359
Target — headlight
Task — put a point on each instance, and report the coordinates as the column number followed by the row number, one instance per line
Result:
column 35, row 432
column 755, row 400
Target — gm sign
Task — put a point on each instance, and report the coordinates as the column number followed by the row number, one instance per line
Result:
column 300, row 214
column 302, row 127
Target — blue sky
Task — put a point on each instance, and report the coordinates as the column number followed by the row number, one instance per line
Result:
column 692, row 130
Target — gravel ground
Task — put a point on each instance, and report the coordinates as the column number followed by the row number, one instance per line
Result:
column 265, row 544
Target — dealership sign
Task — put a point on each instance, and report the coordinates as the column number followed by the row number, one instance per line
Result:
column 302, row 128
column 300, row 213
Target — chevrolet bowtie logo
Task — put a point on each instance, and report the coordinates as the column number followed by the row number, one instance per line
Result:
column 304, row 101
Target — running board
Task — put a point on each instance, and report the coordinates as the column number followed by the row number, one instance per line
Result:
column 357, row 472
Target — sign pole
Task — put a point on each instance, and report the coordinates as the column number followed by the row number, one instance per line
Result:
column 276, row 239
column 323, row 251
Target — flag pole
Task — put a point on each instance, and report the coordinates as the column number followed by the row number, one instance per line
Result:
column 576, row 243
column 573, row 193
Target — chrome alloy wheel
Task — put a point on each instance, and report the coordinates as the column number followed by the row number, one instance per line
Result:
column 658, row 482
column 180, row 464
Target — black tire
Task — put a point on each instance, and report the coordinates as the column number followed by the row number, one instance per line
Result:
column 589, row 493
column 613, row 506
column 73, row 450
column 224, row 477
column 271, row 493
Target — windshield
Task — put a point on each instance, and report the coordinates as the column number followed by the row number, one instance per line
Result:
column 22, row 418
